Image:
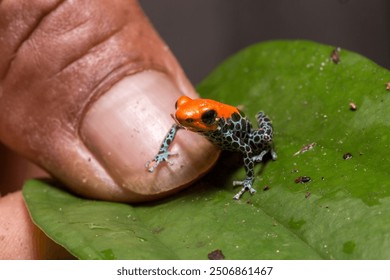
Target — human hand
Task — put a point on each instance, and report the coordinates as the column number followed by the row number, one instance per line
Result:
column 87, row 89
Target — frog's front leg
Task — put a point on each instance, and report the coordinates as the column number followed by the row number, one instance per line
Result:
column 163, row 153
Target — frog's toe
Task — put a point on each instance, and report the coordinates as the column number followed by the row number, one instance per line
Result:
column 274, row 155
column 238, row 195
column 247, row 186
column 257, row 158
column 251, row 190
column 151, row 165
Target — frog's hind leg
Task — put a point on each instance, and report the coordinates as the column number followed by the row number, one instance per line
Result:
column 263, row 137
column 265, row 125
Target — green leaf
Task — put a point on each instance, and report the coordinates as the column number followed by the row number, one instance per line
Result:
column 343, row 212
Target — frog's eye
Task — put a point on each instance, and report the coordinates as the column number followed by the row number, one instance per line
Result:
column 209, row 117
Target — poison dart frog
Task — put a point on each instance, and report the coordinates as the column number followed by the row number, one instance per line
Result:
column 227, row 128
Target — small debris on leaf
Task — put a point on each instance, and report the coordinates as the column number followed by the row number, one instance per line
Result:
column 388, row 86
column 352, row 106
column 347, row 156
column 305, row 148
column 302, row 179
column 157, row 230
column 265, row 188
column 307, row 194
column 335, row 55
column 216, row 255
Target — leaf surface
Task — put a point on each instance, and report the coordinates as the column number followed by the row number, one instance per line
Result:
column 341, row 213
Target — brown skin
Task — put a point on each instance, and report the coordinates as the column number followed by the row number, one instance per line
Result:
column 65, row 69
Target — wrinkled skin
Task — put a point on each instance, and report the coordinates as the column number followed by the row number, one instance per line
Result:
column 86, row 92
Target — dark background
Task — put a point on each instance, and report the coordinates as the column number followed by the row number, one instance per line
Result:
column 202, row 33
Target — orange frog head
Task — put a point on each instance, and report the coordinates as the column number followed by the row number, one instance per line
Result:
column 201, row 115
